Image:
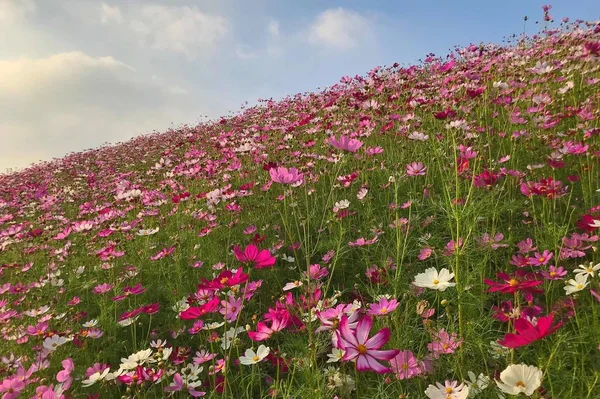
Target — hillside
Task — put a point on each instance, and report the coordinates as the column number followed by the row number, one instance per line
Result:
column 428, row 224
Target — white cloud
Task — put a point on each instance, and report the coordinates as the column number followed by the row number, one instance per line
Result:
column 184, row 30
column 72, row 101
column 110, row 14
column 12, row 11
column 340, row 29
column 273, row 28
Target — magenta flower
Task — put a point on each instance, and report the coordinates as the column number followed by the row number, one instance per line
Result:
column 416, row 169
column 345, row 143
column 383, row 307
column 251, row 254
column 285, row 176
column 358, row 346
column 405, row 365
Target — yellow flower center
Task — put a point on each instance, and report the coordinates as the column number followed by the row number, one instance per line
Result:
column 513, row 282
column 520, row 384
column 579, row 286
column 436, row 281
column 361, row 349
column 541, row 259
column 383, row 310
column 449, row 390
column 552, row 274
column 256, row 358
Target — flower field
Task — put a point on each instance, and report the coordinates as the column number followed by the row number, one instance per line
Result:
column 428, row 231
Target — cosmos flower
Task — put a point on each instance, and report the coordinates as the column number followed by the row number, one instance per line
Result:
column 285, row 176
column 527, row 332
column 520, row 378
column 450, row 390
column 251, row 357
column 345, row 143
column 434, row 280
column 358, row 346
column 260, row 259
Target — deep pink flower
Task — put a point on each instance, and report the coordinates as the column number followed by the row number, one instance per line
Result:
column 195, row 312
column 251, row 254
column 527, row 333
column 357, row 345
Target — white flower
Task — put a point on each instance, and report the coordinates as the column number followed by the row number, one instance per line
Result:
column 335, row 355
column 577, row 284
column 292, row 285
column 181, row 305
column 90, row 323
column 147, row 232
column 451, row 390
column 128, row 322
column 94, row 378
column 434, row 280
column 520, row 378
column 418, row 136
column 497, row 351
column 230, row 336
column 213, row 326
column 136, row 359
column 589, row 269
column 477, row 383
column 251, row 357
column 338, row 206
column 288, row 258
column 53, row 342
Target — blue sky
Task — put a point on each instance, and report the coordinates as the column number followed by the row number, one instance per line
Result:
column 80, row 73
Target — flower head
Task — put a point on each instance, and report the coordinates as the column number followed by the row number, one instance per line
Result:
column 520, row 378
column 435, row 280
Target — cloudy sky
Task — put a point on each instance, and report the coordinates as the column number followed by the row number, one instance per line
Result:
column 78, row 73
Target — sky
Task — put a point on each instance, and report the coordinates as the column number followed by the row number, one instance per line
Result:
column 75, row 74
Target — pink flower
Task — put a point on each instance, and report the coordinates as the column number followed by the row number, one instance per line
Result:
column 383, row 307
column 345, row 143
column 279, row 321
column 425, row 253
column 11, row 387
column 443, row 343
column 285, row 176
column 405, row 365
column 251, row 254
column 231, row 308
column 64, row 376
column 101, row 289
column 179, row 385
column 540, row 259
column 358, row 346
column 554, row 273
column 416, row 169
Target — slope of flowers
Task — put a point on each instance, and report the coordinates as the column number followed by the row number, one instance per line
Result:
column 424, row 231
